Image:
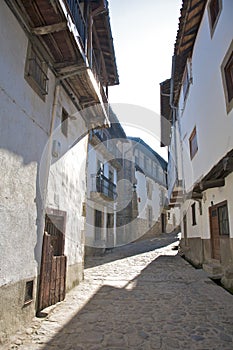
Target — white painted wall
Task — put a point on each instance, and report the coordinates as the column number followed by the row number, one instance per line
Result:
column 95, row 154
column 205, row 106
column 67, row 180
column 25, row 122
column 144, row 202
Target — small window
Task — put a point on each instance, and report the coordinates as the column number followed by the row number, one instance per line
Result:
column 193, row 143
column 98, row 224
column 227, row 77
column 194, row 221
column 36, row 72
column 64, row 122
column 149, row 188
column 187, row 79
column 150, row 217
column 214, row 9
column 28, row 292
column 223, row 220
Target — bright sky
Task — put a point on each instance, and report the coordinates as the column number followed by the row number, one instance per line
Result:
column 144, row 34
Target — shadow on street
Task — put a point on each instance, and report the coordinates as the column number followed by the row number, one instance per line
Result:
column 132, row 249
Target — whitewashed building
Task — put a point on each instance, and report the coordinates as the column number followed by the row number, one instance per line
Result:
column 56, row 64
column 151, row 191
column 197, row 125
column 105, row 153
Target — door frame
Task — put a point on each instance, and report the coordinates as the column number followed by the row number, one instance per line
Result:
column 211, row 208
column 52, row 282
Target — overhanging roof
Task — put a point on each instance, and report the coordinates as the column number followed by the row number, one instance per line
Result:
column 165, row 112
column 191, row 15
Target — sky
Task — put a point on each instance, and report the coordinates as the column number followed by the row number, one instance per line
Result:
column 144, row 34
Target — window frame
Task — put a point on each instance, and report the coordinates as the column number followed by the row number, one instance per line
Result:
column 227, row 58
column 193, row 151
column 194, row 216
column 212, row 24
column 220, row 206
column 64, row 122
column 187, row 79
column 33, row 54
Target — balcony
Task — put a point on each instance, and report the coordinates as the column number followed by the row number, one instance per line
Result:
column 70, row 34
column 106, row 146
column 102, row 188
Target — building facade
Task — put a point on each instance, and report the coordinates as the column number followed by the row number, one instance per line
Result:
column 196, row 109
column 151, row 191
column 57, row 63
column 105, row 153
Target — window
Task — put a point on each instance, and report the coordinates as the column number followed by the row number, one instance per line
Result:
column 193, row 143
column 28, row 292
column 149, row 188
column 150, row 217
column 187, row 79
column 227, row 77
column 36, row 72
column 64, row 122
column 193, row 206
column 214, row 9
column 223, row 220
column 146, row 163
column 98, row 224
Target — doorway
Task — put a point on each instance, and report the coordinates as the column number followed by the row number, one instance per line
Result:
column 219, row 226
column 53, row 262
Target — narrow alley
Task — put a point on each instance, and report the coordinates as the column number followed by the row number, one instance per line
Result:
column 140, row 296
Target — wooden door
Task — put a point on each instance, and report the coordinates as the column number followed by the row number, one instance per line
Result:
column 53, row 263
column 214, row 230
column 163, row 223
column 110, row 233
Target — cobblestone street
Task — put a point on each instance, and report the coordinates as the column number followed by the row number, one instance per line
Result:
column 141, row 296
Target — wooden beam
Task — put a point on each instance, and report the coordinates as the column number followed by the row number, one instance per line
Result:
column 105, row 74
column 212, row 184
column 52, row 28
column 196, row 195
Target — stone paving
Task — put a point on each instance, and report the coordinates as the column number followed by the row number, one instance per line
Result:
column 141, row 296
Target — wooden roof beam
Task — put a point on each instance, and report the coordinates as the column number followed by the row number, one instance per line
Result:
column 52, row 28
column 105, row 74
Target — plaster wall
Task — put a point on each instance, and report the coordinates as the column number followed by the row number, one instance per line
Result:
column 25, row 121
column 205, row 106
column 25, row 124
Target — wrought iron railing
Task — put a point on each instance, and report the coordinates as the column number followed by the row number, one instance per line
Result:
column 103, row 185
column 78, row 19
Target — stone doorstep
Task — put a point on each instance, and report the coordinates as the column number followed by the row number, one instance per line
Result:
column 213, row 268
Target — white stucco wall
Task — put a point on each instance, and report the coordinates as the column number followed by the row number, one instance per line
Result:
column 25, row 122
column 144, row 201
column 67, row 185
column 94, row 154
column 205, row 106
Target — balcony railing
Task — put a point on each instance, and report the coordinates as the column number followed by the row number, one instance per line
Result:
column 78, row 19
column 104, row 186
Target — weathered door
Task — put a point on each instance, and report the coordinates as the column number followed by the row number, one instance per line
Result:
column 53, row 263
column 214, row 230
